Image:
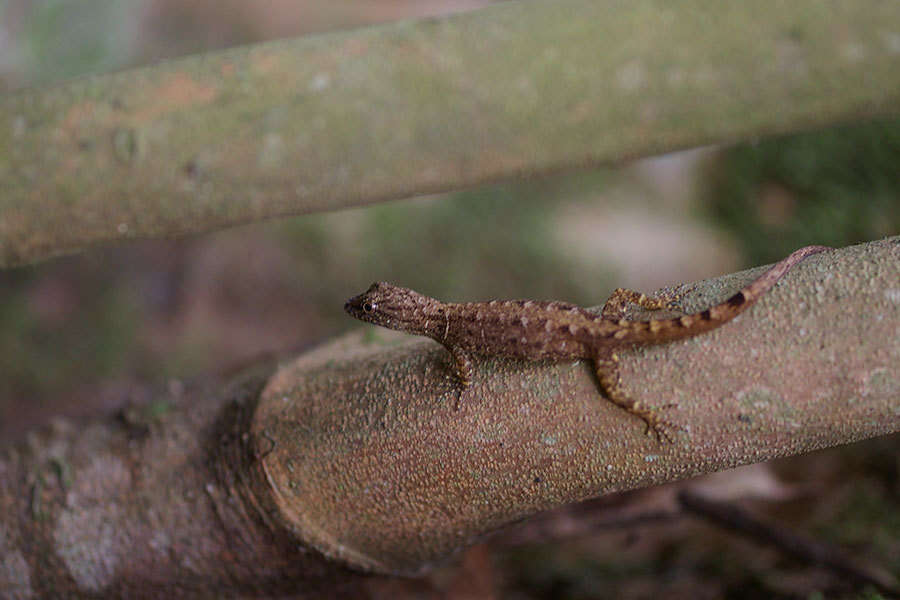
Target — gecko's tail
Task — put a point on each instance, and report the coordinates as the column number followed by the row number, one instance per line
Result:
column 659, row 331
column 764, row 282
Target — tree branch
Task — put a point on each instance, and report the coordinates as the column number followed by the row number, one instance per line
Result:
column 356, row 449
column 373, row 463
column 159, row 502
column 330, row 121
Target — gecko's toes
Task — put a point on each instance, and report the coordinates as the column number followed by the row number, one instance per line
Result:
column 458, row 400
column 659, row 432
column 662, row 429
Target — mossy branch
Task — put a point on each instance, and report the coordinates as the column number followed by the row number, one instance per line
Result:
column 330, row 121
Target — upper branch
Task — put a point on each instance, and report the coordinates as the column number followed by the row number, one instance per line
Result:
column 330, row 121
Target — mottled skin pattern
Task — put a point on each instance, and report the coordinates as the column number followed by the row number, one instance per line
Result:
column 536, row 330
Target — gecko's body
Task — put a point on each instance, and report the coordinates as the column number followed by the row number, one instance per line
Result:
column 538, row 330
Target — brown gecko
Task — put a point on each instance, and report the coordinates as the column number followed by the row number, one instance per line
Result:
column 538, row 330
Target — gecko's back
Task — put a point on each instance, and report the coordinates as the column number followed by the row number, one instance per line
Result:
column 538, row 330
column 530, row 329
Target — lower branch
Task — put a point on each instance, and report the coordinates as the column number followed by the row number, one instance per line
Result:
column 160, row 503
column 358, row 451
column 376, row 463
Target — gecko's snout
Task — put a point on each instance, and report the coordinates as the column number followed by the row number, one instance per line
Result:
column 361, row 307
column 352, row 306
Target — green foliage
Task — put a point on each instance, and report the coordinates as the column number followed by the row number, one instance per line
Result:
column 43, row 349
column 489, row 242
column 65, row 39
column 836, row 187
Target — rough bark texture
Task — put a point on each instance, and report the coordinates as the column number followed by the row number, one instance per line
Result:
column 159, row 502
column 357, row 450
column 331, row 121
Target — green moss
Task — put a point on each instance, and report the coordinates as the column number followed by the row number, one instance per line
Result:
column 835, row 187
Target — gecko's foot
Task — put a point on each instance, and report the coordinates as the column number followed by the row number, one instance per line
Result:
column 659, row 427
column 661, row 430
column 459, row 386
column 670, row 302
column 616, row 306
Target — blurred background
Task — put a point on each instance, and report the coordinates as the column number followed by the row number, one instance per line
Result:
column 79, row 334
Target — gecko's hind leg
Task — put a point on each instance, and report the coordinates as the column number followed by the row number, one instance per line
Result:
column 607, row 369
column 618, row 301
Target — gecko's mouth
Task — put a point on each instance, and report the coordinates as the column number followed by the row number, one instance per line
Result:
column 354, row 307
column 351, row 306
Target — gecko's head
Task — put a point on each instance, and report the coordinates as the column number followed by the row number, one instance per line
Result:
column 390, row 306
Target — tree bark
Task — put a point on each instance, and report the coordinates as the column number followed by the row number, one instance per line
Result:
column 374, row 463
column 356, row 451
column 158, row 502
column 325, row 122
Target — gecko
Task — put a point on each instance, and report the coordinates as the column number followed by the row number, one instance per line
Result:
column 557, row 331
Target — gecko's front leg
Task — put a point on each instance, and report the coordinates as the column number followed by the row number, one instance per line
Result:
column 463, row 365
column 464, row 369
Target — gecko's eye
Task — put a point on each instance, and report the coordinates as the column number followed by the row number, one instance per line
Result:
column 368, row 307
